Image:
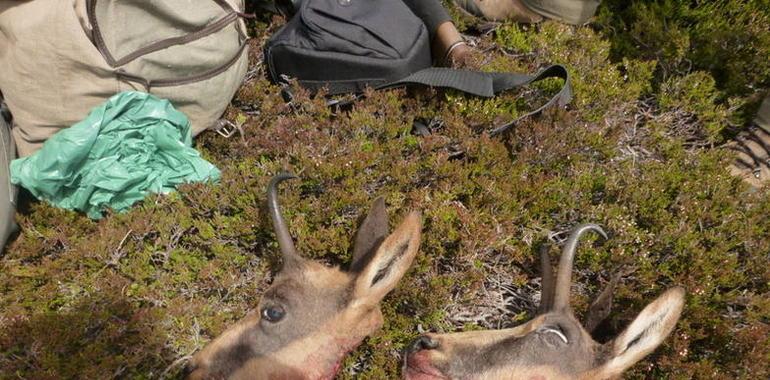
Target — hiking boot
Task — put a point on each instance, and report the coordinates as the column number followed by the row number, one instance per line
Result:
column 752, row 147
column 752, row 161
column 499, row 10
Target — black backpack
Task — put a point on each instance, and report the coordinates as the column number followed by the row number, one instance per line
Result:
column 345, row 46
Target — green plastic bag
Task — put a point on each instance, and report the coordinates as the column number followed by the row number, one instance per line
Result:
column 131, row 145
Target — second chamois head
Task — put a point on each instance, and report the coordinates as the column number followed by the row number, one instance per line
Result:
column 554, row 345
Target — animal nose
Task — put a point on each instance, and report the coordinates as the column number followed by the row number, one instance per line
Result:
column 423, row 342
column 188, row 370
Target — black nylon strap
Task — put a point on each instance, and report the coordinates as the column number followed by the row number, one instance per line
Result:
column 488, row 85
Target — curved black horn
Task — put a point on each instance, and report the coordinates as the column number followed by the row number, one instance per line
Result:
column 285, row 241
column 564, row 274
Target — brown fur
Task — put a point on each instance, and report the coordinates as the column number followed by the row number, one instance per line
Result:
column 328, row 312
column 537, row 349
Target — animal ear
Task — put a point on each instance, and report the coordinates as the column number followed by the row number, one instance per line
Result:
column 645, row 333
column 371, row 233
column 602, row 305
column 389, row 263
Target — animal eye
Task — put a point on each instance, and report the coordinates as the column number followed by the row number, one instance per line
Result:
column 273, row 313
column 555, row 331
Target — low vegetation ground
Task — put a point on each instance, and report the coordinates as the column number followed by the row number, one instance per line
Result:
column 660, row 86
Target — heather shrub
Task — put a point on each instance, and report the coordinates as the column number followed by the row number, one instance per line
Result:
column 133, row 295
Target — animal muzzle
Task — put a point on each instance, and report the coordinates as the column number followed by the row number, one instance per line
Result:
column 418, row 364
column 190, row 372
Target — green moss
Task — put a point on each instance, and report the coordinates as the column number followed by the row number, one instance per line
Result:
column 725, row 38
column 514, row 37
column 696, row 94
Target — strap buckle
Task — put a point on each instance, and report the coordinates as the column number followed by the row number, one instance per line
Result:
column 286, row 93
column 227, row 129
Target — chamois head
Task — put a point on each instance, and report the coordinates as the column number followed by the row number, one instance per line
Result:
column 554, row 345
column 313, row 315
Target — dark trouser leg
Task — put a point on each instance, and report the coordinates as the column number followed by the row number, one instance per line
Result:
column 7, row 191
column 431, row 12
column 447, row 45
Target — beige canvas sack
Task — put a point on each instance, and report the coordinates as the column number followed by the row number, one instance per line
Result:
column 61, row 58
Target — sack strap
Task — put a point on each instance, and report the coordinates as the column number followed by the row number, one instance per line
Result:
column 488, row 85
column 232, row 15
column 149, row 84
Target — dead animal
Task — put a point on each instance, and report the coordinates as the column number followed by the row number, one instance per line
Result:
column 313, row 315
column 554, row 345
